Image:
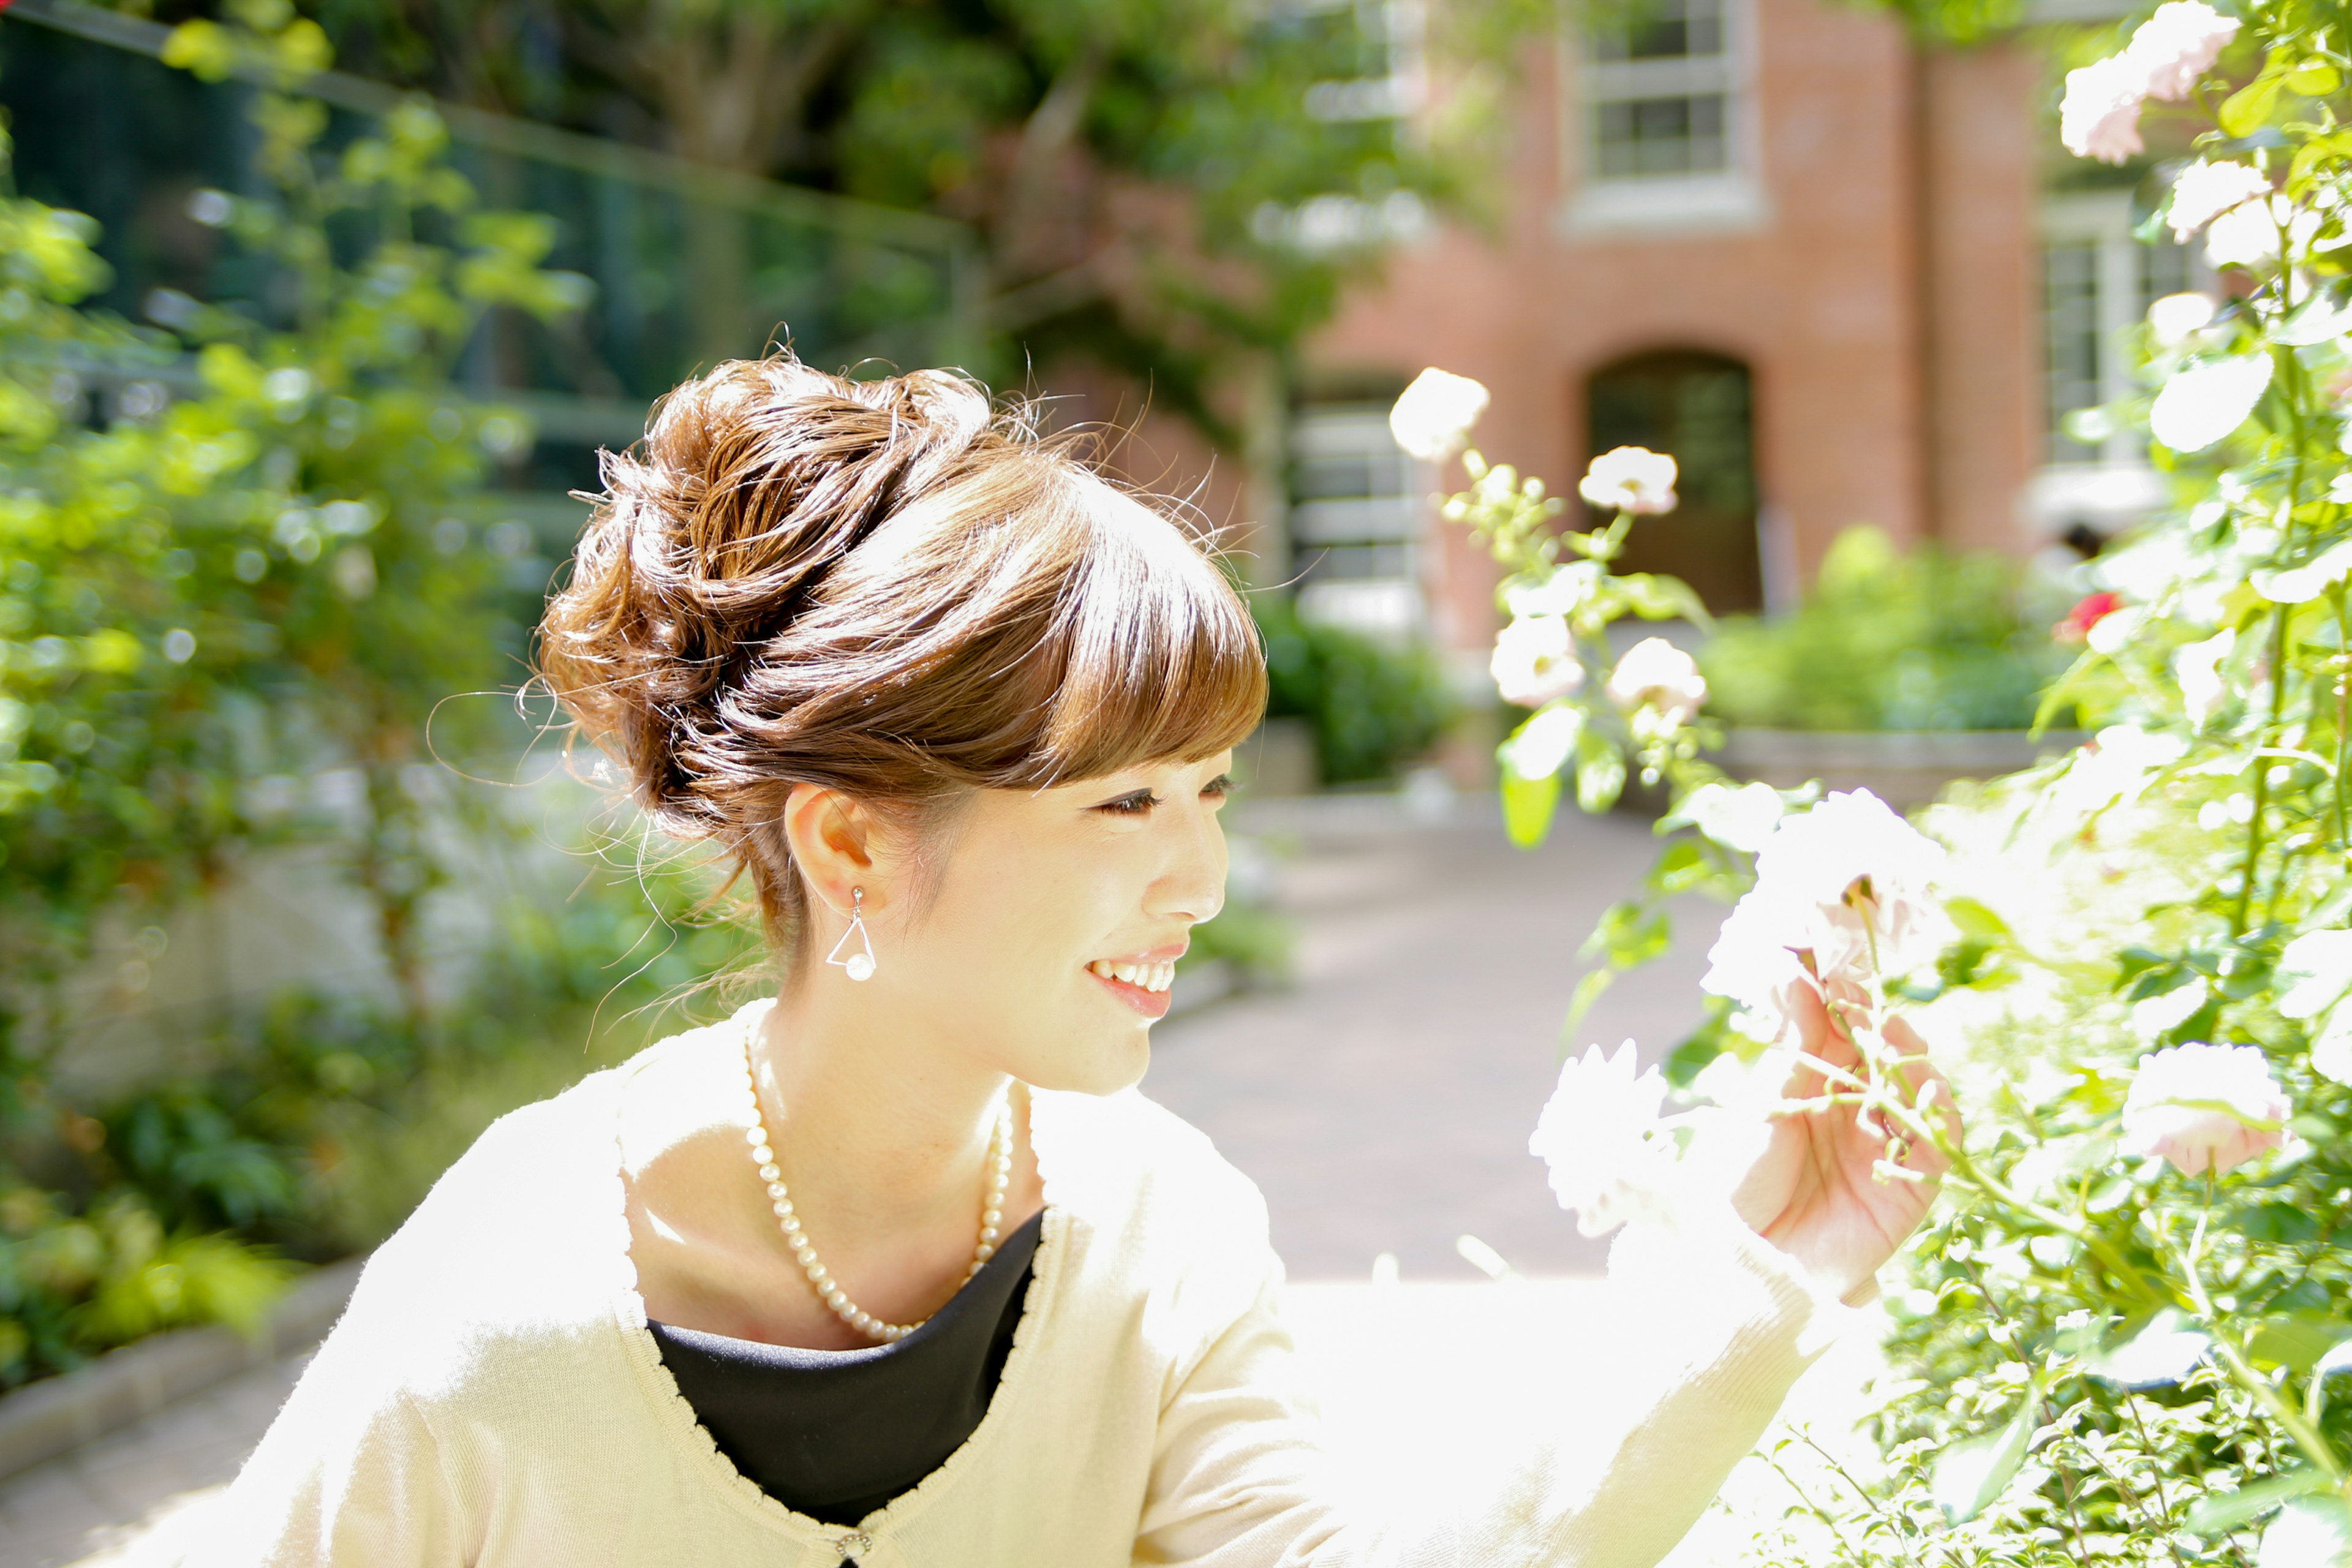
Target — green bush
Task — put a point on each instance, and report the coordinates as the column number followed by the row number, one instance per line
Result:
column 236, row 553
column 1889, row 640
column 1374, row 705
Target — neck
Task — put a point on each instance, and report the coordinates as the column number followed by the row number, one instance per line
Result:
column 877, row 1124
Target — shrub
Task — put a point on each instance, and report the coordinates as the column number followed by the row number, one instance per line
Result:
column 1892, row 640
column 1374, row 705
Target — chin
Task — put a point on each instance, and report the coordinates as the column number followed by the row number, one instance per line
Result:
column 1106, row 1066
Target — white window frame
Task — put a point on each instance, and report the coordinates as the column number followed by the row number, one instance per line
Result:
column 1393, row 603
column 1731, row 199
column 2112, row 485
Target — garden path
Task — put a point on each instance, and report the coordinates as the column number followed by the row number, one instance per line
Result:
column 1383, row 1103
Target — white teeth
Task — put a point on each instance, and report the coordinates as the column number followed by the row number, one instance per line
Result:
column 1143, row 976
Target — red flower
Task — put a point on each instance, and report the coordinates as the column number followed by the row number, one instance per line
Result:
column 2076, row 627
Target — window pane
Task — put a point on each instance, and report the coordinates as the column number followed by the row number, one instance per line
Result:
column 2070, row 282
column 1660, row 135
column 2163, row 269
column 1661, row 29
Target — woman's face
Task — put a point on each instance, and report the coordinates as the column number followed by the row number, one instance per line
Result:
column 1053, row 918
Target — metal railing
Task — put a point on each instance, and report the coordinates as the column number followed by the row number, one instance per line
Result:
column 691, row 263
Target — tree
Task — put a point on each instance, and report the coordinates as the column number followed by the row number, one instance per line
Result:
column 1170, row 188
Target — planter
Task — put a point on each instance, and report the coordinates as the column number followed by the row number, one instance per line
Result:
column 43, row 1419
column 1904, row 768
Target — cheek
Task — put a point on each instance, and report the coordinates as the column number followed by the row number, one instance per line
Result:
column 1018, row 913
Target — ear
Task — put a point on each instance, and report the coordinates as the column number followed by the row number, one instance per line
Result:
column 833, row 840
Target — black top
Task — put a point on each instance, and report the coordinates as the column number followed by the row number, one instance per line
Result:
column 837, row 1434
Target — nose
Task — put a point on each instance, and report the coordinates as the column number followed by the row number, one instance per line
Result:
column 1190, row 885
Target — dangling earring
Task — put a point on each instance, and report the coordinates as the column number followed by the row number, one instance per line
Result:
column 858, row 965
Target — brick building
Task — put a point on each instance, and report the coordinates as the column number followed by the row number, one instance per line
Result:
column 1775, row 237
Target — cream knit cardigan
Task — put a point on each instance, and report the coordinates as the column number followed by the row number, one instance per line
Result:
column 492, row 1397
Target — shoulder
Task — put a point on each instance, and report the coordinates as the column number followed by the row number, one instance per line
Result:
column 1166, row 1216
column 525, row 1236
column 1126, row 1154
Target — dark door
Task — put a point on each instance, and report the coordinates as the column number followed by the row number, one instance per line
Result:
column 1697, row 407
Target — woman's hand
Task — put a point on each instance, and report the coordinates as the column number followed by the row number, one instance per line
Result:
column 1813, row 1190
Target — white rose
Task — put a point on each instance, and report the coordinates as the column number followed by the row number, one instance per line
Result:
column 1434, row 417
column 2205, row 1108
column 1654, row 673
column 2100, row 116
column 1630, row 479
column 1535, row 660
column 2176, row 45
column 1602, row 1140
column 2205, row 191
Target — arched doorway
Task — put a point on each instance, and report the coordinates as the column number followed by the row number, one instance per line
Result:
column 1699, row 407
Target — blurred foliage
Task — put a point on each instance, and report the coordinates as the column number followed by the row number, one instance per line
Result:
column 1892, row 640
column 239, row 559
column 1375, row 705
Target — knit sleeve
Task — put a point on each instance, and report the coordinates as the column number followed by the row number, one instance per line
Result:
column 348, row 1475
column 1604, row 1462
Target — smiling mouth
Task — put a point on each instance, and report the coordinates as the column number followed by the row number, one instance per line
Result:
column 1142, row 986
column 1142, row 976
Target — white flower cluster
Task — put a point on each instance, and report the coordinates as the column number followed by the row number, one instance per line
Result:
column 2166, row 56
column 1842, row 902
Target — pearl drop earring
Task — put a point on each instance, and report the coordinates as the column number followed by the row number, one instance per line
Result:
column 857, row 965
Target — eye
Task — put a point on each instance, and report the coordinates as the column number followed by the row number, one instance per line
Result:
column 1219, row 787
column 1137, row 803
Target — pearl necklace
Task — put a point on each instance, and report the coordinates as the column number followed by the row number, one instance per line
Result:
column 763, row 1155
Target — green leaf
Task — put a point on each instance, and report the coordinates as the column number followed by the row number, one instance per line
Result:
column 1631, row 933
column 1527, row 807
column 2296, row 1340
column 1714, row 1037
column 1975, row 920
column 1599, row 772
column 2248, row 107
column 1655, row 596
column 1588, row 992
column 2225, row 1511
column 2316, row 80
column 1970, row 1476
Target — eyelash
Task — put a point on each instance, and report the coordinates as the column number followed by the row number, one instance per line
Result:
column 1140, row 802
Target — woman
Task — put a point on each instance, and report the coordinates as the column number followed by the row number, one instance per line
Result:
column 895, row 1267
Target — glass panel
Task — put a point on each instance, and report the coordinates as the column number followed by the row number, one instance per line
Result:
column 2164, row 269
column 1681, row 135
column 2070, row 293
column 1661, row 29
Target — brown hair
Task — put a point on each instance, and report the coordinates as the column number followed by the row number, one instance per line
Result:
column 886, row 587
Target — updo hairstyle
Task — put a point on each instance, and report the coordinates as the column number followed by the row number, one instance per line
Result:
column 886, row 587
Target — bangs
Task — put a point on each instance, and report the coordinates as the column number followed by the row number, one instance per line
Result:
column 1160, row 657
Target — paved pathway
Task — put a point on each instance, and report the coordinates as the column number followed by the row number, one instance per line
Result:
column 1383, row 1104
